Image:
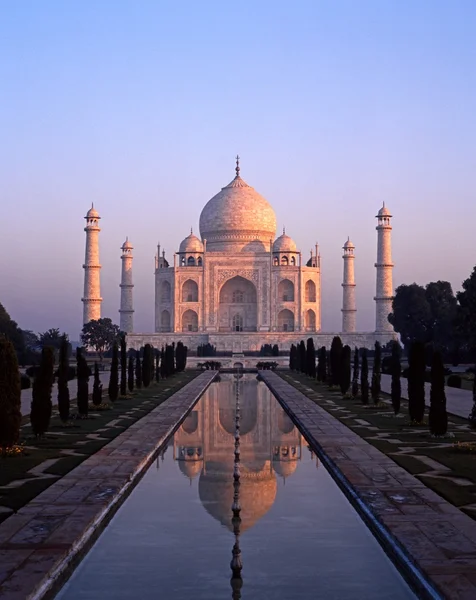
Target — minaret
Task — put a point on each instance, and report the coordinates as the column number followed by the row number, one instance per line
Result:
column 349, row 310
column 126, row 311
column 92, row 287
column 384, row 293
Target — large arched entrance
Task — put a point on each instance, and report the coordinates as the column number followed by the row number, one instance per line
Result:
column 238, row 308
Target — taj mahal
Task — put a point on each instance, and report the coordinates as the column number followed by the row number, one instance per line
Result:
column 238, row 285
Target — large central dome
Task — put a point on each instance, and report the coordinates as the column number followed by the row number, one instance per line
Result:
column 238, row 219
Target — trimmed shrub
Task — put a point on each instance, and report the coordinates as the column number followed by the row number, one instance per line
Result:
column 345, row 370
column 377, row 374
column 10, row 396
column 387, row 362
column 63, row 391
column 138, row 370
column 396, row 386
column 83, row 370
column 335, row 360
column 364, row 378
column 147, row 364
column 25, row 382
column 97, row 387
column 454, row 381
column 130, row 373
column 355, row 376
column 113, row 389
column 123, row 365
column 310, row 358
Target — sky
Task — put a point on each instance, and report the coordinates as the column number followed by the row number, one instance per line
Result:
column 140, row 108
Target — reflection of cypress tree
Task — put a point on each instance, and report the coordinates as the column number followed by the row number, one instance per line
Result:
column 396, row 389
column 310, row 358
column 355, row 375
column 63, row 391
column 41, row 404
column 138, row 371
column 376, row 373
column 364, row 378
column 10, row 395
column 130, row 374
column 438, row 417
column 82, row 371
column 336, row 358
column 113, row 389
column 97, row 387
column 416, row 382
column 345, row 370
column 123, row 365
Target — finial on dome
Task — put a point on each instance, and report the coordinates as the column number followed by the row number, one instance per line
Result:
column 237, row 169
column 284, row 230
column 191, row 230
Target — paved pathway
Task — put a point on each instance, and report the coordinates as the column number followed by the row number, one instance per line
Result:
column 430, row 532
column 40, row 541
column 458, row 402
column 73, row 388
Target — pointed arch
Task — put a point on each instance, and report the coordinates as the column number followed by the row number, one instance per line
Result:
column 189, row 321
column 310, row 291
column 285, row 320
column 165, row 291
column 310, row 320
column 286, row 290
column 190, row 291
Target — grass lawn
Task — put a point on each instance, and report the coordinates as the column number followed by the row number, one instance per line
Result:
column 65, row 447
column 435, row 461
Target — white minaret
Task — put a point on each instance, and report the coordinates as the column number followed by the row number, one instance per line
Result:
column 126, row 311
column 92, row 286
column 384, row 293
column 349, row 310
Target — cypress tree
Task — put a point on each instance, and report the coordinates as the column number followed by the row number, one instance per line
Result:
column 146, row 365
column 138, row 371
column 82, row 373
column 302, row 356
column 472, row 414
column 130, row 374
column 438, row 417
column 335, row 360
column 63, row 390
column 396, row 389
column 364, row 378
column 181, row 356
column 377, row 374
column 355, row 374
column 345, row 370
column 97, row 387
column 416, row 382
column 324, row 375
column 10, row 396
column 41, row 405
column 310, row 358
column 113, row 388
column 123, row 365
column 163, row 369
column 157, row 366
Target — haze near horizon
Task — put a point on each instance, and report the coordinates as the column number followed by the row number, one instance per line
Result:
column 334, row 107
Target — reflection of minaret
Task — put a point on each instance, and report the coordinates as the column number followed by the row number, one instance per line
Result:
column 236, row 564
column 126, row 311
column 92, row 288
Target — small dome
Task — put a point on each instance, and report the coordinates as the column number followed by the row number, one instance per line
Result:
column 92, row 213
column 284, row 468
column 191, row 244
column 127, row 245
column 284, row 244
column 349, row 244
column 384, row 212
column 190, row 468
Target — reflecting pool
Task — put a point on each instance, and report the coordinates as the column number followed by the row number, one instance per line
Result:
column 299, row 536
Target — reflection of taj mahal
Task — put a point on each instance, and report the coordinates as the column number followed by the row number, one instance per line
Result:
column 270, row 446
column 238, row 286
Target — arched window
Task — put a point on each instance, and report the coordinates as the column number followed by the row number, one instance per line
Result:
column 276, row 261
column 286, row 320
column 165, row 321
column 165, row 291
column 182, row 261
column 310, row 291
column 191, row 261
column 310, row 320
column 285, row 261
column 238, row 297
column 286, row 290
column 189, row 321
column 190, row 291
column 199, row 261
column 237, row 323
column 293, row 261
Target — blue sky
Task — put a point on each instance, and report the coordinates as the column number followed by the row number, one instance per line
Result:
column 140, row 107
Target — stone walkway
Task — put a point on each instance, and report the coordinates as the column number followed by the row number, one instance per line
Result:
column 417, row 527
column 43, row 539
column 458, row 402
